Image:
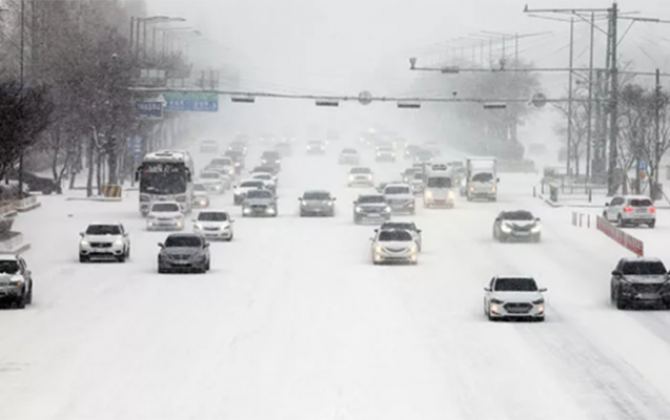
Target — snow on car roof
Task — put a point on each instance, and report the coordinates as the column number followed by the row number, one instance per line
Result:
column 642, row 259
column 524, row 277
column 8, row 257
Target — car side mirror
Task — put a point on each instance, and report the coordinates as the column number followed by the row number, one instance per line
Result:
column 487, row 289
column 497, row 179
column 161, row 245
column 206, row 245
column 617, row 273
column 28, row 272
column 81, row 234
column 376, row 230
column 418, row 231
column 334, row 198
column 607, row 204
column 542, row 290
column 537, row 219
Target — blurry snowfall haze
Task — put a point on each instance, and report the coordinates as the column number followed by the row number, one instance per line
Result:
column 344, row 47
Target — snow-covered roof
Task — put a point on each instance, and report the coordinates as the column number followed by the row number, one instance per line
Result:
column 642, row 259
column 8, row 257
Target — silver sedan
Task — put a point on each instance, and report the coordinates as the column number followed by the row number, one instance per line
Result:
column 317, row 203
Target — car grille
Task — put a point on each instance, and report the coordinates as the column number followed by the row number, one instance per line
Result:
column 183, row 257
column 371, row 210
column 518, row 308
column 258, row 207
column 163, row 219
column 526, row 228
column 211, row 228
column 396, row 249
column 646, row 288
column 101, row 244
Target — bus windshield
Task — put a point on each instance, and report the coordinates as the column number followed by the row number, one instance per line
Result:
column 163, row 178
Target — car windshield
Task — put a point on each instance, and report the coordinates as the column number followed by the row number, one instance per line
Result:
column 183, row 241
column 259, row 194
column 418, row 176
column 349, row 152
column 165, row 207
column 234, row 154
column 220, row 162
column 518, row 215
column 397, row 190
column 483, row 177
column 103, row 230
column 439, row 182
column 210, row 175
column 270, row 155
column 199, row 188
column 212, row 216
column 263, row 176
column 316, row 195
column 424, row 154
column 9, row 267
column 361, row 171
column 515, row 285
column 394, row 235
column 401, row 226
column 252, row 184
column 644, row 268
column 371, row 199
column 641, row 202
column 315, row 143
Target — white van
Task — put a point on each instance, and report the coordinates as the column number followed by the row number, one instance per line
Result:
column 439, row 191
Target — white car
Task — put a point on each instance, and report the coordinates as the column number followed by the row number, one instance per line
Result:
column 104, row 240
column 361, row 176
column 627, row 210
column 349, row 156
column 213, row 181
column 514, row 297
column 267, row 178
column 200, row 196
column 225, row 165
column 395, row 245
column 214, row 224
column 209, row 146
column 165, row 215
column 244, row 187
column 408, row 226
column 400, row 198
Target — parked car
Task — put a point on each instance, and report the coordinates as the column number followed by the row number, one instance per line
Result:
column 514, row 297
column 104, row 240
column 16, row 280
column 184, row 252
column 640, row 281
column 631, row 210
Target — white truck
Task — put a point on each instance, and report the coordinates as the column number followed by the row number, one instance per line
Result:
column 481, row 178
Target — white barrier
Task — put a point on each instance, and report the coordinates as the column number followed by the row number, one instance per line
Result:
column 26, row 204
column 581, row 219
column 622, row 238
column 13, row 243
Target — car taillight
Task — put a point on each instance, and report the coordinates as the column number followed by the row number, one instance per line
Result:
column 652, row 209
column 472, row 187
column 628, row 210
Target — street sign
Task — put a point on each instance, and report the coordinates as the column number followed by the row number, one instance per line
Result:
column 495, row 105
column 365, row 98
column 539, row 100
column 327, row 103
column 409, row 105
column 642, row 165
column 149, row 110
column 191, row 102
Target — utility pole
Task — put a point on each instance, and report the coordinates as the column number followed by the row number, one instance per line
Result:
column 589, row 110
column 570, row 152
column 21, row 81
column 132, row 33
column 657, row 136
column 599, row 145
column 613, row 103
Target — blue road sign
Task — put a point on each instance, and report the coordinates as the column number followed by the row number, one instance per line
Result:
column 191, row 102
column 149, row 110
column 642, row 166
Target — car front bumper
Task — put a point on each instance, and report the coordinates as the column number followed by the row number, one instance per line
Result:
column 165, row 225
column 11, row 292
column 259, row 212
column 439, row 202
column 317, row 211
column 520, row 236
column 388, row 257
column 110, row 251
column 361, row 182
column 181, row 265
column 504, row 310
column 215, row 234
column 385, row 158
column 372, row 217
column 402, row 207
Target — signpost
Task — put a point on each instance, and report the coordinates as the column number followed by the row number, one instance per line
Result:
column 191, row 102
column 365, row 98
column 539, row 100
column 149, row 110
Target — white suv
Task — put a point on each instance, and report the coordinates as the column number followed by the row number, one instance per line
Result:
column 104, row 240
column 631, row 210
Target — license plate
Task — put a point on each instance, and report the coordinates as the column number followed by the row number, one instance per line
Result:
column 180, row 263
column 648, row 296
column 640, row 210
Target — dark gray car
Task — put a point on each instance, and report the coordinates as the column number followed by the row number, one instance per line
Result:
column 317, row 203
column 371, row 208
column 184, row 252
column 517, row 225
column 641, row 281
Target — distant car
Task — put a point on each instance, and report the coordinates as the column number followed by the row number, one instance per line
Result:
column 361, row 176
column 200, row 196
column 316, row 147
column 424, row 157
column 265, row 170
column 394, row 246
column 108, row 240
column 642, row 281
column 244, row 187
column 16, row 280
column 385, row 154
column 631, row 210
column 284, row 148
column 418, row 183
column 439, row 190
column 239, row 146
column 408, row 226
column 410, row 151
column 271, row 159
column 214, row 182
column 214, row 224
column 439, row 167
column 433, row 147
column 184, row 252
column 371, row 207
column 317, row 203
column 514, row 297
column 349, row 156
column 237, row 156
column 165, row 215
column 408, row 174
column 268, row 179
column 209, row 146
column 517, row 225
column 400, row 198
column 259, row 203
column 224, row 165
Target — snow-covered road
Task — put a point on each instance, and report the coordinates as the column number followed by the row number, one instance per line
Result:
column 293, row 322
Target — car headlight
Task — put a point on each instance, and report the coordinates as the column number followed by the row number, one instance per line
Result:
column 538, row 302
column 270, row 210
column 494, row 188
column 359, row 209
column 330, row 204
column 118, row 242
column 505, row 228
column 497, row 301
column 450, row 194
column 378, row 249
column 246, row 210
column 277, row 162
column 537, row 228
column 264, row 161
column 351, row 178
column 369, row 176
column 203, row 202
column 387, row 209
column 413, row 248
column 197, row 226
column 429, row 194
column 238, row 163
column 84, row 242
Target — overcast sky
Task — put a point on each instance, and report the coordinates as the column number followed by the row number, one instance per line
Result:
column 331, row 45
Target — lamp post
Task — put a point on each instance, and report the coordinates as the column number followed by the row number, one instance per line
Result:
column 21, row 81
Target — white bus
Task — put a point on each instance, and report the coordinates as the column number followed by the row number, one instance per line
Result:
column 166, row 175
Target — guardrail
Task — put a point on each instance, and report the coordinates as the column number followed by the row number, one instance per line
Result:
column 624, row 239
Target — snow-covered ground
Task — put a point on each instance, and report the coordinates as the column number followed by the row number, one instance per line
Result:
column 294, row 322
